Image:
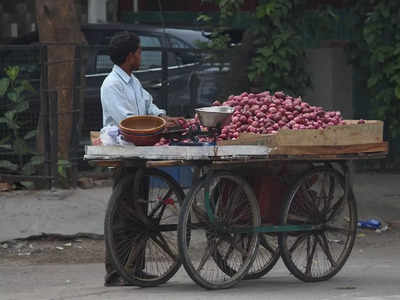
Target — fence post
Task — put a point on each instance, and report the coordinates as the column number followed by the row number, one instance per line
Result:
column 53, row 130
column 44, row 115
column 76, row 127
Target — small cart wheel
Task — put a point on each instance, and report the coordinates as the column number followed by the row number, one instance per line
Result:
column 318, row 198
column 140, row 227
column 267, row 256
column 219, row 215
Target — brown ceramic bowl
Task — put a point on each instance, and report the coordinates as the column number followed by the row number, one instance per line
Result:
column 142, row 130
column 142, row 124
column 142, row 139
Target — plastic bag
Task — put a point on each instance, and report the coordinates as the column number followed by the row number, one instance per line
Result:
column 110, row 136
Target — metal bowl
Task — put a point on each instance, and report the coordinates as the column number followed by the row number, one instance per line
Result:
column 214, row 116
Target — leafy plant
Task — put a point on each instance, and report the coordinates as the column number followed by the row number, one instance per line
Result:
column 14, row 92
column 63, row 168
column 277, row 28
column 376, row 52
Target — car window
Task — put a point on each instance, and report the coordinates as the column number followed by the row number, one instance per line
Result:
column 149, row 41
column 183, row 57
column 103, row 63
column 176, row 43
column 150, row 58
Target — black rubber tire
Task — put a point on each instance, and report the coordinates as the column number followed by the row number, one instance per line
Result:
column 127, row 188
column 204, row 229
column 311, row 209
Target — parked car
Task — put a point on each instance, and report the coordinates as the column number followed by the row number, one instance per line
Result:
column 191, row 82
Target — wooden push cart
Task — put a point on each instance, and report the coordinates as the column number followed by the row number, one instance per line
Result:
column 215, row 227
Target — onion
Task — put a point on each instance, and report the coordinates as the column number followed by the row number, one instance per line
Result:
column 272, row 110
column 260, row 115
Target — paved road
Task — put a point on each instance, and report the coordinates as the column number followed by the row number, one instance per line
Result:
column 373, row 271
column 29, row 213
column 370, row 273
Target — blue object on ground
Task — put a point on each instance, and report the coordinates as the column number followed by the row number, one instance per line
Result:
column 371, row 224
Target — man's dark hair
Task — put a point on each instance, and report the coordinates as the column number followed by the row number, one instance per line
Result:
column 121, row 45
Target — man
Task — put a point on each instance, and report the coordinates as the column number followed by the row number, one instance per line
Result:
column 122, row 96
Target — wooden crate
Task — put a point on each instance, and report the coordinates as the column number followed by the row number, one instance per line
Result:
column 349, row 138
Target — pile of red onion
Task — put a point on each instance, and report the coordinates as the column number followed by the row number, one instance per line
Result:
column 266, row 113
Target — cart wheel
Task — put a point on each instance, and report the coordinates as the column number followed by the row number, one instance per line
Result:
column 266, row 257
column 141, row 225
column 218, row 214
column 318, row 198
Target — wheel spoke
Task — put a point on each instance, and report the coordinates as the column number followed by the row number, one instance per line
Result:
column 323, row 241
column 218, row 200
column 331, row 192
column 237, row 246
column 161, row 203
column 229, row 205
column 241, row 215
column 205, row 257
column 298, row 241
column 295, row 219
column 313, row 203
column 134, row 254
column 322, row 192
column 310, row 254
column 163, row 244
column 229, row 252
column 304, row 203
column 335, row 209
column 238, row 203
column 266, row 245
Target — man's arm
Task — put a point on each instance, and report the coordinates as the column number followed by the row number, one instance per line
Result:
column 151, row 108
column 116, row 106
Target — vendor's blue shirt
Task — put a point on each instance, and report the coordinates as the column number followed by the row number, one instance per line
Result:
column 123, row 96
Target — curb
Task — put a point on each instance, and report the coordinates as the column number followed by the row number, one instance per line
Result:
column 395, row 224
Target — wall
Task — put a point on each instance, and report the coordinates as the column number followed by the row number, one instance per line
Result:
column 332, row 80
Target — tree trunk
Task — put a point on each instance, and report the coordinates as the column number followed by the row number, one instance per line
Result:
column 237, row 81
column 59, row 28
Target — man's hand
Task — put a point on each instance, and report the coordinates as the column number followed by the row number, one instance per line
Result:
column 172, row 121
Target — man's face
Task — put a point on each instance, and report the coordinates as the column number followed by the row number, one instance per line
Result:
column 136, row 58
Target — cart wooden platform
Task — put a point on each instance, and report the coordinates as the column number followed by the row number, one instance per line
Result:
column 217, row 229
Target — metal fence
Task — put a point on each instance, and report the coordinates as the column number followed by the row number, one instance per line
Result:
column 42, row 115
column 177, row 85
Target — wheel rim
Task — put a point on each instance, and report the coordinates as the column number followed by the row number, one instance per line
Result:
column 319, row 199
column 214, row 247
column 144, row 233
